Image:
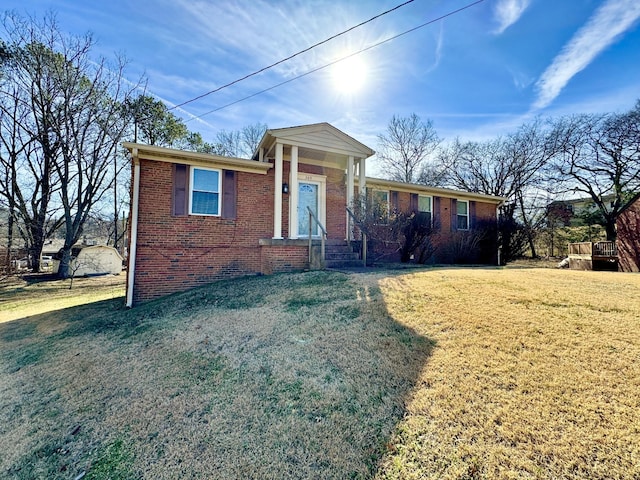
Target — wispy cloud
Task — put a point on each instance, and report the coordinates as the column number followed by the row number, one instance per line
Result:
column 438, row 50
column 507, row 12
column 601, row 30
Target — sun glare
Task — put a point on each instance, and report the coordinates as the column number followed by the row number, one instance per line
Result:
column 349, row 75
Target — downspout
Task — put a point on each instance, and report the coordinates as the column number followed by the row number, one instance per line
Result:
column 133, row 242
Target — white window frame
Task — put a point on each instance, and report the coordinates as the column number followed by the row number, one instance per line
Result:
column 460, row 215
column 192, row 173
column 430, row 211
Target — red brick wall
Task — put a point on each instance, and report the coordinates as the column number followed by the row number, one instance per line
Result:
column 486, row 211
column 628, row 238
column 284, row 258
column 445, row 214
column 175, row 253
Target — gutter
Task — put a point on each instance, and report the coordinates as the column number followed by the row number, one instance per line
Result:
column 133, row 241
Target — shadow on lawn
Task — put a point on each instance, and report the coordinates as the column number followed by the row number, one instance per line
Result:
column 288, row 376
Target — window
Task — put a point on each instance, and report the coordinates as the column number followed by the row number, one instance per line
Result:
column 381, row 197
column 205, row 192
column 424, row 204
column 424, row 209
column 463, row 215
column 381, row 205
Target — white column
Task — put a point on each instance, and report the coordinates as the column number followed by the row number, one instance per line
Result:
column 362, row 184
column 350, row 192
column 277, row 197
column 293, row 193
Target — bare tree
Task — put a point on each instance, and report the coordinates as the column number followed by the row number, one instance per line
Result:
column 479, row 167
column 250, row 137
column 91, row 128
column 510, row 167
column 29, row 147
column 599, row 156
column 73, row 123
column 406, row 145
column 228, row 143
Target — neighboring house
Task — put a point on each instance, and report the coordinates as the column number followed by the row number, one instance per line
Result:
column 628, row 236
column 571, row 213
column 197, row 218
column 92, row 260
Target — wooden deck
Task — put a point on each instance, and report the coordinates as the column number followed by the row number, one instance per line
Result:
column 593, row 256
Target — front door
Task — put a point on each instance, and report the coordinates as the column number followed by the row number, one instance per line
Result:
column 308, row 197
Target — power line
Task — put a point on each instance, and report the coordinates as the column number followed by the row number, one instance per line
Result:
column 442, row 17
column 291, row 56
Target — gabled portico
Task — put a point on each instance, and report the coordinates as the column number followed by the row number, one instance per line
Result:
column 313, row 155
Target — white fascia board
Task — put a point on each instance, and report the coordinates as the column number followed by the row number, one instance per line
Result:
column 170, row 155
column 437, row 191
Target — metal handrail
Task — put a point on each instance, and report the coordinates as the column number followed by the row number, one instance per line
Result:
column 312, row 217
column 363, row 231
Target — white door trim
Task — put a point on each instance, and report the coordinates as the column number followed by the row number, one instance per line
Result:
column 321, row 181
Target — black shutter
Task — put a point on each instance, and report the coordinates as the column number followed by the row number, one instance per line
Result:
column 413, row 202
column 472, row 214
column 394, row 201
column 180, row 181
column 229, row 194
column 436, row 213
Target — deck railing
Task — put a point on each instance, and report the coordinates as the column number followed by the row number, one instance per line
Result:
column 605, row 249
column 593, row 249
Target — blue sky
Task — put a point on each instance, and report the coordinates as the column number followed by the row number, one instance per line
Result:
column 476, row 74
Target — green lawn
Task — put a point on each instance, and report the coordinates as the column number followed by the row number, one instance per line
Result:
column 436, row 373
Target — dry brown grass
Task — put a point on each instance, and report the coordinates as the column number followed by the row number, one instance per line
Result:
column 535, row 375
column 24, row 296
column 291, row 376
column 438, row 373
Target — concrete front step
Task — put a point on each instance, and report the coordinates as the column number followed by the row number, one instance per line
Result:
column 341, row 256
column 342, row 264
column 340, row 252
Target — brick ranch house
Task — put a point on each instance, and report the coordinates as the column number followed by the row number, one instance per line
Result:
column 197, row 218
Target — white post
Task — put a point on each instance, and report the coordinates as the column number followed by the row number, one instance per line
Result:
column 293, row 193
column 362, row 184
column 350, row 194
column 277, row 197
